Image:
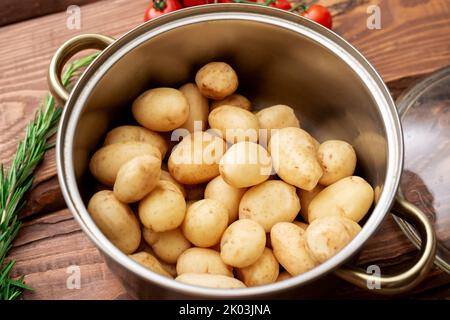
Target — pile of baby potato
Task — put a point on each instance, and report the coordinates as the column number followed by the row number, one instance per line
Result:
column 244, row 199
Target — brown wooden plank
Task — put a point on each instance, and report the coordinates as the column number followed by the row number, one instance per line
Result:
column 12, row 11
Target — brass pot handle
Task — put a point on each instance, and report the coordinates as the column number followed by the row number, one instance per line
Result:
column 398, row 283
column 64, row 53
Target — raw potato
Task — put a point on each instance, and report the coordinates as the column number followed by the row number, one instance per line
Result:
column 198, row 108
column 264, row 271
column 230, row 196
column 289, row 247
column 150, row 262
column 116, row 220
column 167, row 245
column 106, row 162
column 165, row 176
column 164, row 208
column 205, row 222
column 294, row 157
column 234, row 124
column 136, row 178
column 350, row 197
column 338, row 160
column 161, row 109
column 326, row 236
column 283, row 276
column 235, row 99
column 242, row 243
column 245, row 164
column 276, row 117
column 270, row 202
column 306, row 197
column 202, row 260
column 136, row 134
column 196, row 159
column 216, row 80
column 210, row 280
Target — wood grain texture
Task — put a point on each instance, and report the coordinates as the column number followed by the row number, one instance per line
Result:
column 414, row 40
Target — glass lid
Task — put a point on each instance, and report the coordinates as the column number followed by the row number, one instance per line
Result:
column 425, row 115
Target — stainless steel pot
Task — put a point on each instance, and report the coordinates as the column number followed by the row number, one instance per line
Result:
column 280, row 58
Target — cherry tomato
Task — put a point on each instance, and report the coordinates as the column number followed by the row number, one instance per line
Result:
column 319, row 14
column 281, row 4
column 192, row 3
column 159, row 7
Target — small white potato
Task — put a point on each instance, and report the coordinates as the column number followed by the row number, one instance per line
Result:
column 205, row 222
column 196, row 158
column 136, row 178
column 235, row 99
column 216, row 80
column 106, row 162
column 210, row 280
column 167, row 245
column 270, row 202
column 264, row 271
column 164, row 208
column 306, row 197
column 136, row 134
column 198, row 108
column 116, row 220
column 242, row 243
column 338, row 160
column 289, row 247
column 230, row 196
column 276, row 117
column 165, row 176
column 350, row 197
column 150, row 262
column 245, row 164
column 161, row 109
column 202, row 260
column 235, row 124
column 326, row 236
column 294, row 157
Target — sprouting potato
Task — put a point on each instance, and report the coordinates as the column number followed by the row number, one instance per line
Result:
column 338, row 160
column 306, row 198
column 136, row 134
column 106, row 162
column 205, row 222
column 294, row 157
column 136, row 178
column 234, row 124
column 264, row 271
column 210, row 280
column 242, row 243
column 216, row 80
column 235, row 99
column 116, row 220
column 327, row 235
column 276, row 117
column 198, row 108
column 196, row 158
column 289, row 247
column 164, row 208
column 161, row 109
column 230, row 196
column 350, row 197
column 165, row 176
column 245, row 164
column 150, row 262
column 202, row 260
column 167, row 245
column 270, row 202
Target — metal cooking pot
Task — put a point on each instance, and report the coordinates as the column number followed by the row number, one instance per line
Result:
column 280, row 58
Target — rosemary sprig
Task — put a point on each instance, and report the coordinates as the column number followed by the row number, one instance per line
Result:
column 18, row 179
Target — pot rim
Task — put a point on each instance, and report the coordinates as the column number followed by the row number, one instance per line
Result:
column 276, row 18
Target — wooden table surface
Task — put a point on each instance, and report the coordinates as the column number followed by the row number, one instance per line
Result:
column 413, row 41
